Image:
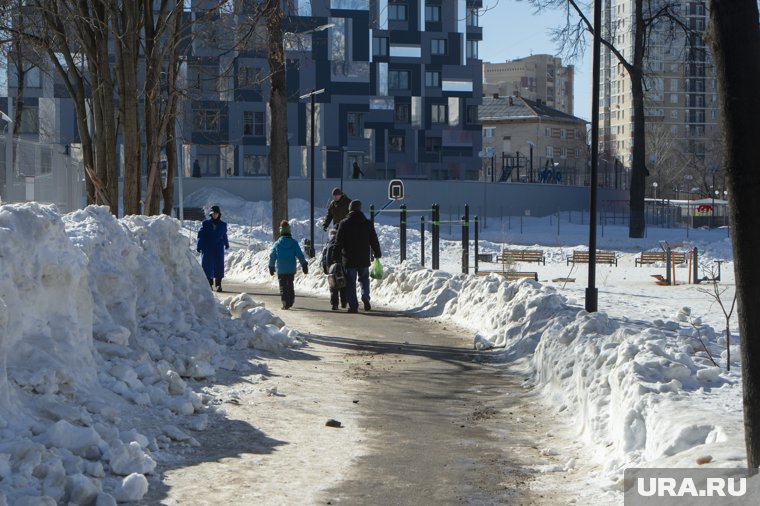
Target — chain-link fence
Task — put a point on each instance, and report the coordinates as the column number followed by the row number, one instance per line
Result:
column 49, row 173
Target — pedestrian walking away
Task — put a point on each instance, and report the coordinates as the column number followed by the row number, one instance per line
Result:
column 282, row 260
column 356, row 171
column 212, row 241
column 356, row 238
column 337, row 209
column 336, row 270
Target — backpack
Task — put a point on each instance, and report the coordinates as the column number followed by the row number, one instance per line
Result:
column 336, row 279
column 327, row 254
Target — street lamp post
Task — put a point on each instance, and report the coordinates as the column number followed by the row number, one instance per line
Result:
column 592, row 292
column 8, row 151
column 654, row 185
column 311, row 96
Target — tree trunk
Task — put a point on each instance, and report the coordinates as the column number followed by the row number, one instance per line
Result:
column 126, row 26
column 734, row 38
column 637, row 224
column 171, row 110
column 278, row 105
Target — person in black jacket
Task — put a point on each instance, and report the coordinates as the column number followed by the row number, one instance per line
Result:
column 328, row 264
column 338, row 208
column 356, row 237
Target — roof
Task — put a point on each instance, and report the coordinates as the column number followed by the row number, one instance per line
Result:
column 499, row 109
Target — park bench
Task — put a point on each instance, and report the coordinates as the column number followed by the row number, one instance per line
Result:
column 511, row 275
column 652, row 257
column 602, row 257
column 522, row 255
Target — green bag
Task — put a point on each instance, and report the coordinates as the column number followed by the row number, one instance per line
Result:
column 376, row 270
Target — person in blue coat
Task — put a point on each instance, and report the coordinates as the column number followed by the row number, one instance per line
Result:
column 212, row 241
column 282, row 260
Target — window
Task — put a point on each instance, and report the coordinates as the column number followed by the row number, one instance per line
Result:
column 396, row 143
column 673, row 99
column 438, row 46
column 674, row 114
column 355, row 124
column 563, row 134
column 547, row 132
column 206, row 120
column 472, row 49
column 397, row 12
column 432, row 13
column 432, row 79
column 30, row 120
column 674, row 85
column 253, row 123
column 549, row 151
column 438, row 113
column 209, row 164
column 255, row 165
column 401, row 113
column 472, row 17
column 432, row 145
column 472, row 114
column 398, row 79
column 33, row 78
column 250, row 77
column 380, row 46
column 203, row 78
column 488, row 132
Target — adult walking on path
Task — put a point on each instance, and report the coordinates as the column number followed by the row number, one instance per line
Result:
column 338, row 208
column 212, row 241
column 356, row 237
column 282, row 259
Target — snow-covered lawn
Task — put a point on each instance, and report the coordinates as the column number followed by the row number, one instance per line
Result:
column 106, row 324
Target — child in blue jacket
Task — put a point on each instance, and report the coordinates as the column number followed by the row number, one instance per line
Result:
column 282, row 260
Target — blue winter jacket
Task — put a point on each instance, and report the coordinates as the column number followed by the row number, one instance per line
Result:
column 284, row 254
column 212, row 241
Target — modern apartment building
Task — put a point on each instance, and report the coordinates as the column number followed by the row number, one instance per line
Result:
column 401, row 78
column 537, row 77
column 681, row 97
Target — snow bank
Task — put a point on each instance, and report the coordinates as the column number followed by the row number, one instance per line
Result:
column 102, row 324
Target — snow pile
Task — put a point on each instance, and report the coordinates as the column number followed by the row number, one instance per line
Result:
column 633, row 389
column 104, row 325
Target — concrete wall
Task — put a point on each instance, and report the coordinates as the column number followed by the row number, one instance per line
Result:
column 499, row 199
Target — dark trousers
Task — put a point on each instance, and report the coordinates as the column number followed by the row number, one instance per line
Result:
column 287, row 292
column 352, row 273
column 339, row 293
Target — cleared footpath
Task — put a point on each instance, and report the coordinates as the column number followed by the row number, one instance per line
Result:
column 425, row 419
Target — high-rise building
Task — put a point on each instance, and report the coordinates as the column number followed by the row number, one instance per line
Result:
column 680, row 96
column 537, row 77
column 401, row 78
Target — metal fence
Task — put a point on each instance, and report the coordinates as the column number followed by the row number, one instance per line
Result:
column 48, row 173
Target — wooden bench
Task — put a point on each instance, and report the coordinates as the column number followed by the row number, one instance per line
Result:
column 511, row 275
column 522, row 255
column 652, row 257
column 602, row 257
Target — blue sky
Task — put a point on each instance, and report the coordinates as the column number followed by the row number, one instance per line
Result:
column 512, row 30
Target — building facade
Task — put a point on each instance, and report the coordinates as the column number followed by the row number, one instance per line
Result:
column 537, row 77
column 681, row 98
column 532, row 142
column 402, row 84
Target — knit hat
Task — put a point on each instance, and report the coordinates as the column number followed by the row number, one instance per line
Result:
column 337, row 191
column 284, row 227
column 355, row 205
column 215, row 209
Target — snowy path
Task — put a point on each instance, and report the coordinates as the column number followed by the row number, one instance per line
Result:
column 425, row 420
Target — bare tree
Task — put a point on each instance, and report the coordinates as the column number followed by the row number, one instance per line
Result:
column 278, row 105
column 734, row 36
column 647, row 18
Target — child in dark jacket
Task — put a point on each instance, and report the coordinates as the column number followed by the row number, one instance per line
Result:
column 282, row 260
column 327, row 255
